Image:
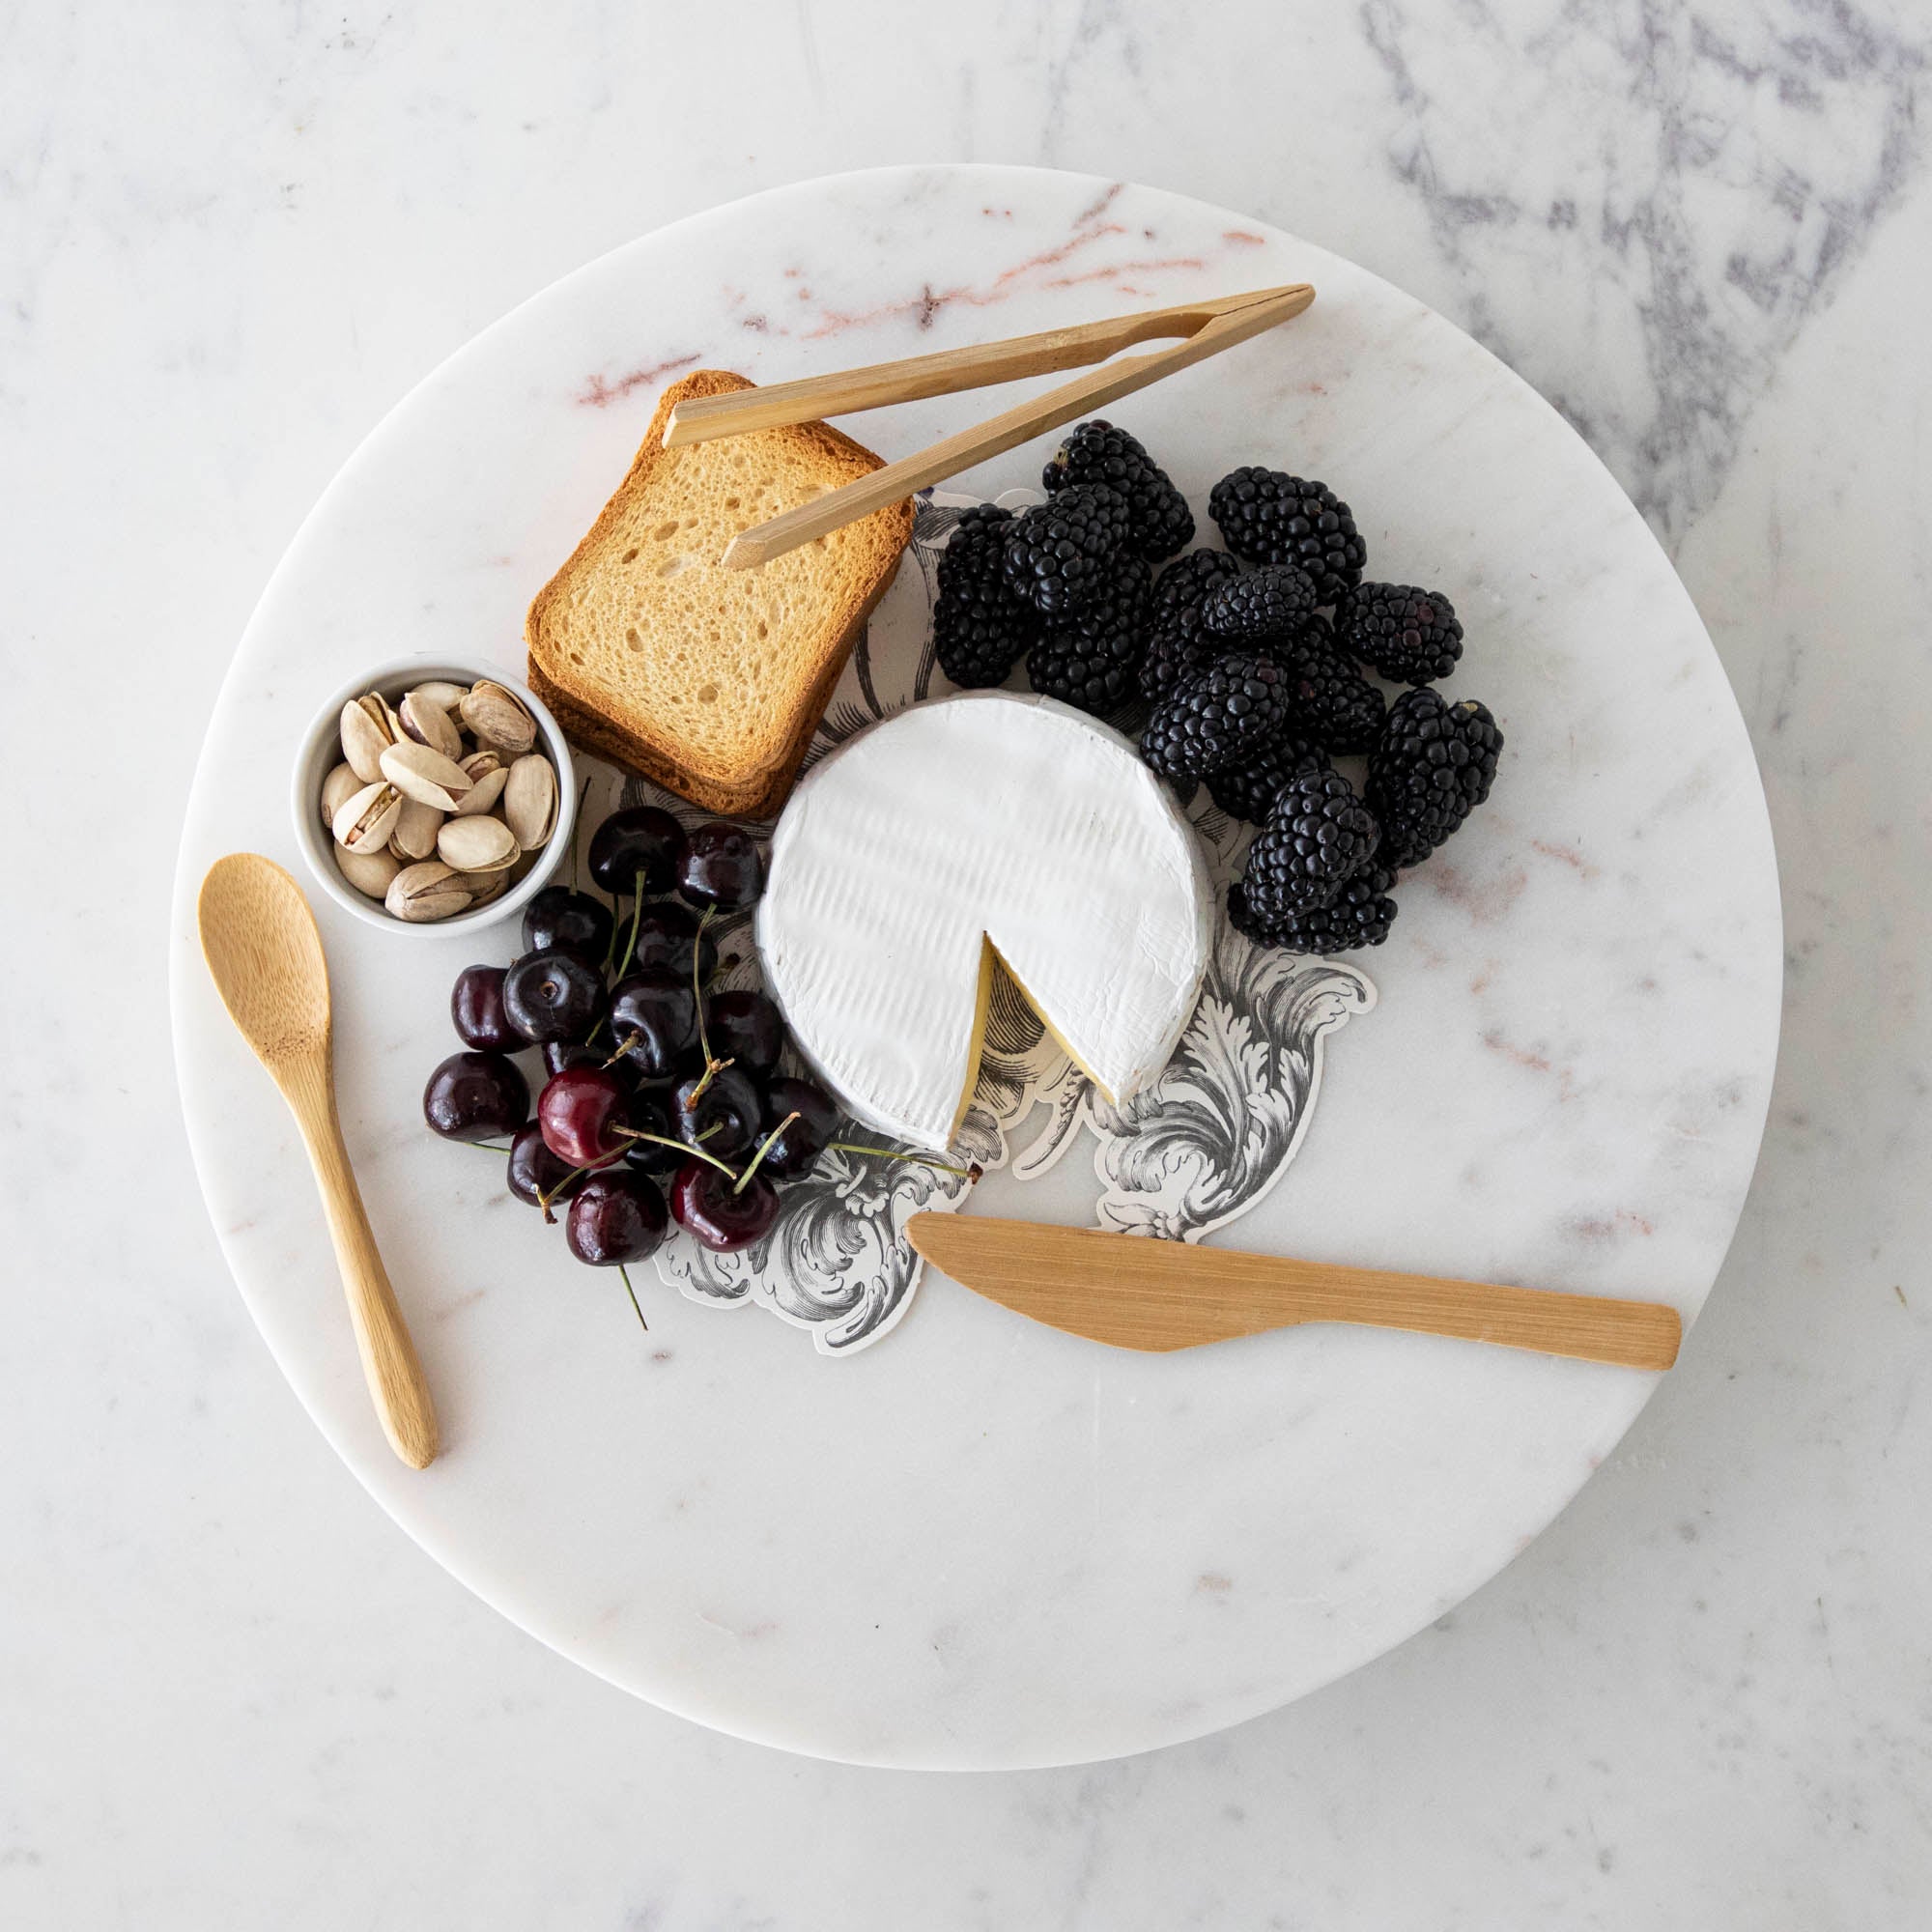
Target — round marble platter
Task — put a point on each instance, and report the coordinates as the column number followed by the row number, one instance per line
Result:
column 982, row 1542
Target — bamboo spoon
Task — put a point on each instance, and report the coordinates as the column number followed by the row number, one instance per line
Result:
column 261, row 944
column 1137, row 1294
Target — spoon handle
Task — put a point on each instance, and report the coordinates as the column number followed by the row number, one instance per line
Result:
column 389, row 1360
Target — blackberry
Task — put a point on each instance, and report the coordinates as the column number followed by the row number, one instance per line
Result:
column 1268, row 603
column 1058, row 553
column 1410, row 635
column 1271, row 518
column 1159, row 521
column 1217, row 717
column 1248, row 791
column 1318, row 836
column 1360, row 914
column 1333, row 702
column 1432, row 765
column 1177, row 643
column 1091, row 659
column 980, row 629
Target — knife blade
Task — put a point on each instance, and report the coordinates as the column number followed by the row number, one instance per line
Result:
column 1130, row 1291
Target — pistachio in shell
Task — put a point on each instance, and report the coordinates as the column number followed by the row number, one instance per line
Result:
column 498, row 719
column 369, row 873
column 529, row 800
column 488, row 774
column 368, row 731
column 478, row 843
column 444, row 696
column 430, row 724
column 365, row 818
column 426, row 776
column 414, row 835
column 430, row 891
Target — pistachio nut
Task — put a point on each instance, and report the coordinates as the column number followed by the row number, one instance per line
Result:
column 431, row 891
column 478, row 843
column 430, row 724
column 496, row 716
column 367, row 733
column 414, row 835
column 445, row 697
column 529, row 800
column 487, row 774
column 425, row 776
column 369, row 873
column 335, row 787
column 367, row 818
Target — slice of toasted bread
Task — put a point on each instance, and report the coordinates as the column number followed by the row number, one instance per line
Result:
column 708, row 681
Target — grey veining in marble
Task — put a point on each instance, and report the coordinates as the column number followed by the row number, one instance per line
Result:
column 229, row 239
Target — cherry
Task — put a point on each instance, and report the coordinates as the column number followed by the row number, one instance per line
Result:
column 666, row 934
column 654, row 1020
column 745, row 1028
column 718, row 1214
column 721, row 868
column 558, row 919
column 552, row 996
column 640, row 840
column 535, row 1170
column 618, row 1216
column 476, row 1096
column 476, row 1012
column 719, row 1114
column 579, row 1110
column 649, row 1114
column 558, row 1053
column 798, row 1145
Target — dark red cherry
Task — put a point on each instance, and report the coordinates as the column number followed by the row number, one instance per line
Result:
column 579, row 1110
column 720, row 1214
column 552, row 996
column 654, row 1019
column 476, row 1012
column 618, row 1216
column 637, row 852
column 650, row 1114
column 746, row 1029
column 666, row 936
column 558, row 919
column 723, row 1119
column 535, row 1170
column 796, row 1149
column 476, row 1096
column 721, row 867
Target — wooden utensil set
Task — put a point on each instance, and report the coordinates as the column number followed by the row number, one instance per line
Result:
column 263, row 949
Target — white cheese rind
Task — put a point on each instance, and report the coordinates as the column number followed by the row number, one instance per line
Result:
column 988, row 815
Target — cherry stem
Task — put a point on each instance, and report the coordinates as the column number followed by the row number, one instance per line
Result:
column 682, row 1146
column 633, row 1039
column 550, row 1194
column 636, row 920
column 712, row 1069
column 971, row 1173
column 764, row 1148
column 625, row 1274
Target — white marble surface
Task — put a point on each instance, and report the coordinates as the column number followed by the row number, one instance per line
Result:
column 232, row 1690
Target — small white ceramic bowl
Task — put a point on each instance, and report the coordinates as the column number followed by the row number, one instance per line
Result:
column 321, row 748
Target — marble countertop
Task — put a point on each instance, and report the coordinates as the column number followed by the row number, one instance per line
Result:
column 234, row 1693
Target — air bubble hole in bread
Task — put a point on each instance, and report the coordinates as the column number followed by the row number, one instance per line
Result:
column 711, row 681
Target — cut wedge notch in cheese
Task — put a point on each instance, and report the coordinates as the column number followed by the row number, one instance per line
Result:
column 984, row 824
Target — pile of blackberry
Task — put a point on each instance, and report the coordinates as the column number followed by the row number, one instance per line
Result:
column 1254, row 668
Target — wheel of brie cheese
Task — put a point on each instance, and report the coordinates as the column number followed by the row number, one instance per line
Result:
column 988, row 826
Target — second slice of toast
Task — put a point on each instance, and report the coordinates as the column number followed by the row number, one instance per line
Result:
column 709, row 681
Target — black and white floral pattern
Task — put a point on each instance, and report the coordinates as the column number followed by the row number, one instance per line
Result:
column 1192, row 1151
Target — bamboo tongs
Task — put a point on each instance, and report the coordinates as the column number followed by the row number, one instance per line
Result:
column 1206, row 326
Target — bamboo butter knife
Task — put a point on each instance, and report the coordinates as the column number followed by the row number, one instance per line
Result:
column 1133, row 1292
